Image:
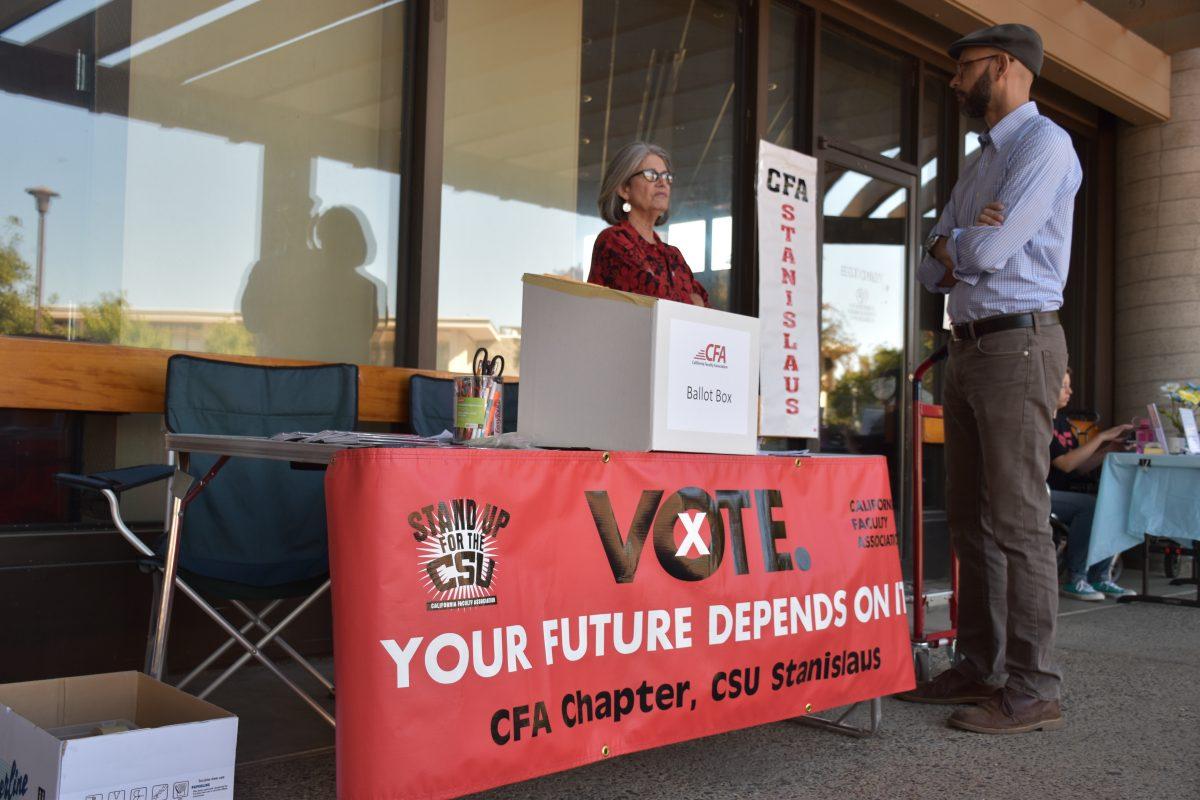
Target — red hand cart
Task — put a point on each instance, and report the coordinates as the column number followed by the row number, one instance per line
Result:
column 923, row 641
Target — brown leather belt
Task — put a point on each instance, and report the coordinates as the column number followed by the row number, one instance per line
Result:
column 979, row 328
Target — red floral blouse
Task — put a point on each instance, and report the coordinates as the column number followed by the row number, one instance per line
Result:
column 623, row 260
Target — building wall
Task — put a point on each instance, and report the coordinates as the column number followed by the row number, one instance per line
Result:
column 1158, row 248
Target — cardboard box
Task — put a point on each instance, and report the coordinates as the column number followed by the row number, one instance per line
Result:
column 611, row 370
column 51, row 748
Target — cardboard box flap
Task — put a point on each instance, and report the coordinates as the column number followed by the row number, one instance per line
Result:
column 159, row 704
column 58, row 702
column 61, row 702
column 559, row 283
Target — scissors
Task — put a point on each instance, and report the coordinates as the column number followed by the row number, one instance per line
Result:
column 482, row 365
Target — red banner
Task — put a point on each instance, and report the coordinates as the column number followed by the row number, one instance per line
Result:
column 504, row 615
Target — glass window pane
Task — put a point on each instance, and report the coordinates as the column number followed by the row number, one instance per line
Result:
column 863, row 291
column 722, row 243
column 227, row 174
column 931, row 308
column 862, row 93
column 934, row 145
column 690, row 238
column 539, row 95
column 971, row 128
column 784, row 87
column 931, row 145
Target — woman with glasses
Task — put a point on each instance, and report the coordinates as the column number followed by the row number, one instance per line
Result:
column 635, row 196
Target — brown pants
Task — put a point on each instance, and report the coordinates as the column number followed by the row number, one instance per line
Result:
column 1000, row 396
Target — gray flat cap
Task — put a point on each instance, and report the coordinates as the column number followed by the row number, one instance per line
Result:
column 1020, row 41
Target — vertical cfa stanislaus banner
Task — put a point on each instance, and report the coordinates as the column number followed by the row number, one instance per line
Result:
column 787, row 291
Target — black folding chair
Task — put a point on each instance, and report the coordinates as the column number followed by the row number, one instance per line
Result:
column 257, row 531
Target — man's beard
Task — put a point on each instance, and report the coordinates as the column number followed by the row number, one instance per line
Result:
column 976, row 101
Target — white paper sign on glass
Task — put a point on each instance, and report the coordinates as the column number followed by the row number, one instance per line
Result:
column 1156, row 422
column 707, row 378
column 1188, row 418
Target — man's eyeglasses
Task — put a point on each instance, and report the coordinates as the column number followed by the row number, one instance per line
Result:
column 652, row 175
column 958, row 69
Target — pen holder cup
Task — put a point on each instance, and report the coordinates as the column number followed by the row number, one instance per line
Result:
column 478, row 407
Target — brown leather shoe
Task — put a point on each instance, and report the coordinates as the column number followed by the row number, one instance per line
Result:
column 1009, row 712
column 949, row 688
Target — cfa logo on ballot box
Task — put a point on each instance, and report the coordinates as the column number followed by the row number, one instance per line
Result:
column 711, row 355
column 457, row 549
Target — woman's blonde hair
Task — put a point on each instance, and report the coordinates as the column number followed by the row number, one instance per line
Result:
column 624, row 165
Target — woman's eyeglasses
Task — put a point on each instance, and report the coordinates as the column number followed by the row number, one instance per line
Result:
column 652, row 175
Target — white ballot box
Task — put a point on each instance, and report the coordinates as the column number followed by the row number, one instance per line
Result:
column 612, row 370
column 120, row 736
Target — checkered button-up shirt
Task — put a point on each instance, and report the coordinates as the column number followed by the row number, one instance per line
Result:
column 1027, row 163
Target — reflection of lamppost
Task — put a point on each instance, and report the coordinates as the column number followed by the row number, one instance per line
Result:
column 42, row 195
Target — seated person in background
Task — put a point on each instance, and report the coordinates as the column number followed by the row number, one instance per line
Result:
column 1076, row 509
column 635, row 196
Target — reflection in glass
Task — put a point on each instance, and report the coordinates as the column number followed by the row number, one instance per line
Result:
column 863, row 291
column 935, row 140
column 722, row 243
column 930, row 147
column 228, row 172
column 933, row 143
column 539, row 95
column 861, row 93
column 787, row 35
column 971, row 128
column 692, row 240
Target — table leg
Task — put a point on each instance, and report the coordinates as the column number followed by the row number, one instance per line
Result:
column 1194, row 580
column 1195, row 567
column 839, row 725
column 1145, row 564
column 1146, row 597
column 156, row 650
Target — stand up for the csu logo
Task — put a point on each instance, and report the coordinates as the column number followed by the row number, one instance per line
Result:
column 457, row 548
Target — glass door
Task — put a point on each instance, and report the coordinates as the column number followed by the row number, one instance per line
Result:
column 866, row 299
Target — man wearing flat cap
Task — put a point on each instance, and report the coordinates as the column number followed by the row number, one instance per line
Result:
column 1000, row 252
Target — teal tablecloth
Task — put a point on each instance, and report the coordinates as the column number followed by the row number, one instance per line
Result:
column 1140, row 494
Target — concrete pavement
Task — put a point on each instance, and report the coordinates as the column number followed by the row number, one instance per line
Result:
column 1132, row 704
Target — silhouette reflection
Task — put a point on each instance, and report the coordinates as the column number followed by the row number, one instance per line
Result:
column 312, row 301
